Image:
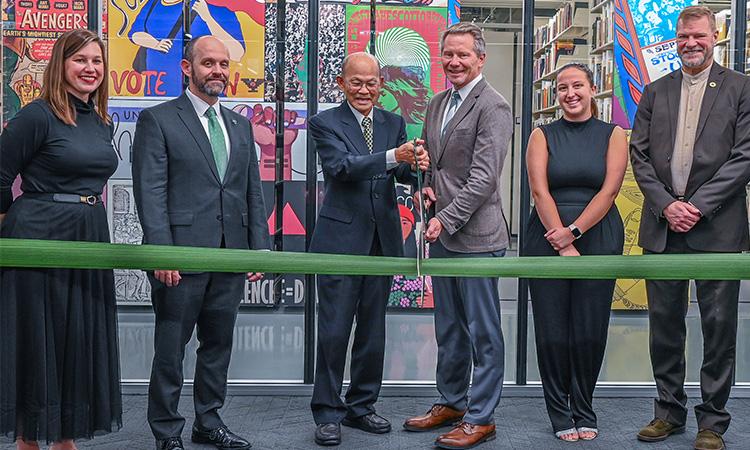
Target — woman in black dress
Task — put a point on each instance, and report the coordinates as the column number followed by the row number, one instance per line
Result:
column 576, row 165
column 59, row 361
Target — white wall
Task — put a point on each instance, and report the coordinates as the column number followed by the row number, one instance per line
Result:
column 498, row 70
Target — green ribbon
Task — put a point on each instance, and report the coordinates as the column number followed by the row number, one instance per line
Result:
column 89, row 255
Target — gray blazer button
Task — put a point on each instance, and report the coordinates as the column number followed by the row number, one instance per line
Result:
column 219, row 218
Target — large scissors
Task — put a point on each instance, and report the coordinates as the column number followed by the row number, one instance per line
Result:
column 422, row 218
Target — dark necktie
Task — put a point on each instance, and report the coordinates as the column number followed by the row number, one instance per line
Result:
column 452, row 107
column 367, row 132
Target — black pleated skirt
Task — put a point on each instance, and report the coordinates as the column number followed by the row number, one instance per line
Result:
column 59, row 359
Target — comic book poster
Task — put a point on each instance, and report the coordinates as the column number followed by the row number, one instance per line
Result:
column 146, row 40
column 645, row 50
column 410, row 291
column 262, row 117
column 30, row 28
column 331, row 52
column 407, row 44
column 133, row 287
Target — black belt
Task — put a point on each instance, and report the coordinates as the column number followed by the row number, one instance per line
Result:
column 66, row 198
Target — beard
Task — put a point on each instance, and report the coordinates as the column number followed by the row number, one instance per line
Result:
column 695, row 62
column 212, row 89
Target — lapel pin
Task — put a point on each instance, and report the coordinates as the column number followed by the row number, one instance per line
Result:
column 712, row 84
column 234, row 121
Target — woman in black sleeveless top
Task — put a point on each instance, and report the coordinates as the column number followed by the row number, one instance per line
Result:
column 576, row 165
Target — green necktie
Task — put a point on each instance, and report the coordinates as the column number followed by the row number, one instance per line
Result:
column 218, row 144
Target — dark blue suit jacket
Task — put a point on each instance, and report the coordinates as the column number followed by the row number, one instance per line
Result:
column 360, row 195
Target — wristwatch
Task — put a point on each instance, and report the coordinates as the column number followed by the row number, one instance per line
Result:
column 574, row 229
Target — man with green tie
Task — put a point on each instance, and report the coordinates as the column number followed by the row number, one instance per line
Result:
column 196, row 183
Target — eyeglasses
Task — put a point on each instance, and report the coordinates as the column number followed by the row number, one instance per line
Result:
column 372, row 85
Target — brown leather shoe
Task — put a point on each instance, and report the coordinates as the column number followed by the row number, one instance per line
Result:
column 466, row 435
column 436, row 417
column 708, row 440
column 658, row 430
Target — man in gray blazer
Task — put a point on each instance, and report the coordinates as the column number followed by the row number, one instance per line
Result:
column 196, row 183
column 690, row 151
column 467, row 132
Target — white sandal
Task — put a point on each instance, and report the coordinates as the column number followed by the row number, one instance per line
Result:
column 587, row 430
column 569, row 432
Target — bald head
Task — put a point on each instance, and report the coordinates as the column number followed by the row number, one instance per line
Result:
column 363, row 61
column 200, row 43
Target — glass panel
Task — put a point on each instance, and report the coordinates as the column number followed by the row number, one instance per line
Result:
column 145, row 49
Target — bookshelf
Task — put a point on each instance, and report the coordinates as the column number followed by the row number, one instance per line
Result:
column 602, row 55
column 723, row 49
column 578, row 32
column 558, row 40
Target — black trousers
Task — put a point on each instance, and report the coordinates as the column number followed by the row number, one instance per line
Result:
column 340, row 300
column 571, row 318
column 667, row 307
column 209, row 301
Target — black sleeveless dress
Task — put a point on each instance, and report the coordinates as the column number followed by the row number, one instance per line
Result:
column 59, row 363
column 576, row 169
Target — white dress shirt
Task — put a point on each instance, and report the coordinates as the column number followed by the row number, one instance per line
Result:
column 463, row 93
column 200, row 108
column 390, row 155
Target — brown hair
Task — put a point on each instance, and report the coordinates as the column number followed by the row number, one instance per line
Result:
column 54, row 85
column 589, row 76
column 696, row 12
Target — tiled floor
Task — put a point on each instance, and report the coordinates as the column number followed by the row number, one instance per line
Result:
column 285, row 423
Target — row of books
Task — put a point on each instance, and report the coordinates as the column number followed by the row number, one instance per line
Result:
column 603, row 66
column 571, row 14
column 602, row 29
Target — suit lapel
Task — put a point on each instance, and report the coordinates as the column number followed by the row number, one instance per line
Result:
column 231, row 125
column 674, row 90
column 466, row 105
column 442, row 100
column 380, row 134
column 352, row 129
column 187, row 114
column 713, row 86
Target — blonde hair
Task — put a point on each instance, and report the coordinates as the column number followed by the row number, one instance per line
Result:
column 54, row 89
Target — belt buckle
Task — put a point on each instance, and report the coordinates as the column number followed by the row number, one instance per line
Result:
column 89, row 199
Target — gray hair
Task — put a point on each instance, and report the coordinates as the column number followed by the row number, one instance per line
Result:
column 348, row 59
column 466, row 28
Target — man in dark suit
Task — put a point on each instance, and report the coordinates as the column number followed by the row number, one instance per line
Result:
column 196, row 183
column 362, row 152
column 690, row 151
column 467, row 132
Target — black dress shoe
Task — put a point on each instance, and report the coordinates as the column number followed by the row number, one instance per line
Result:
column 372, row 423
column 328, row 434
column 174, row 443
column 220, row 437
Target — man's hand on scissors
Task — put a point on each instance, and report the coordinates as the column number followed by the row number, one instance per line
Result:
column 426, row 197
column 423, row 158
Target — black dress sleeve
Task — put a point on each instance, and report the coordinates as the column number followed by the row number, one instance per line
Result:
column 19, row 141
